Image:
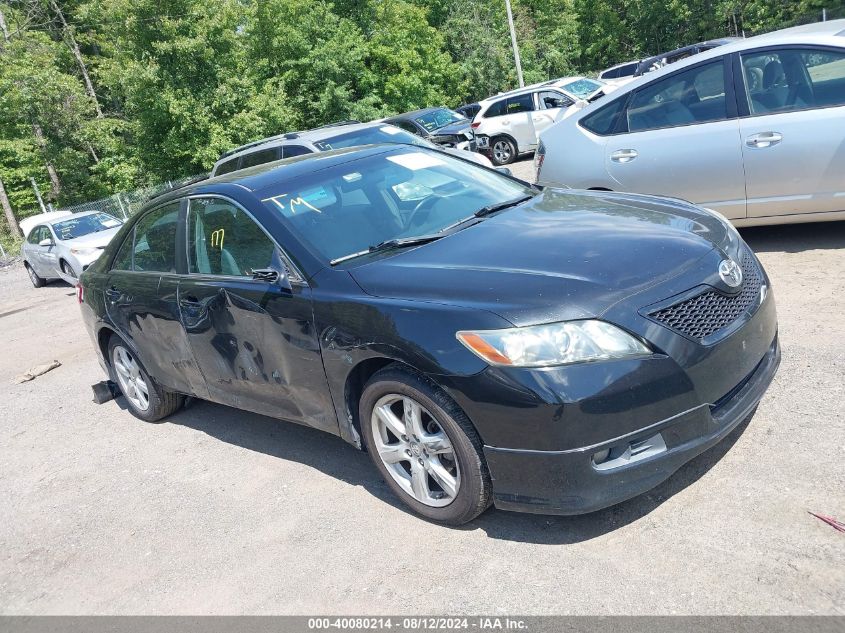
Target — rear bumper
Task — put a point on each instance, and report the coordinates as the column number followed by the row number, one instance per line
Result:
column 570, row 482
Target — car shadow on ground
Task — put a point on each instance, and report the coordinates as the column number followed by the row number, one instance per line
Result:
column 795, row 238
column 336, row 458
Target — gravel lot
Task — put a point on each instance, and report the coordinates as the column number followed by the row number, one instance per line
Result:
column 220, row 511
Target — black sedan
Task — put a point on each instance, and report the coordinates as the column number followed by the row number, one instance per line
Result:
column 484, row 340
column 441, row 126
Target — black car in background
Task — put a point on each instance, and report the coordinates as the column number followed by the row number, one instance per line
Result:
column 484, row 340
column 439, row 125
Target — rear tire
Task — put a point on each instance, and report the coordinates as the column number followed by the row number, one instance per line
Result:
column 502, row 151
column 37, row 281
column 146, row 400
column 424, row 446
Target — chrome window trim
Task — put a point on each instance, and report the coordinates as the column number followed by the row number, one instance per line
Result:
column 294, row 274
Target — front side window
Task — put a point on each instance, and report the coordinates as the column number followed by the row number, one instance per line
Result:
column 693, row 96
column 84, row 225
column 370, row 136
column 35, row 235
column 407, row 126
column 785, row 80
column 522, row 103
column 224, row 240
column 155, row 240
column 549, row 99
column 260, row 157
column 403, row 193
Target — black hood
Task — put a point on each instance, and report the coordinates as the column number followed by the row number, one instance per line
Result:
column 562, row 255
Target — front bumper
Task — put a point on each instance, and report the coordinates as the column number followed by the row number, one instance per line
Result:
column 570, row 482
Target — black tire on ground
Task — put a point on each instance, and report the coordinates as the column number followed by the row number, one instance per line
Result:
column 162, row 403
column 502, row 151
column 474, row 493
column 37, row 281
column 68, row 270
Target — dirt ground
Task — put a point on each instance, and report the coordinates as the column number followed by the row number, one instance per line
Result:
column 219, row 511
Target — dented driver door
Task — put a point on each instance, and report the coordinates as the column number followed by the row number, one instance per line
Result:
column 253, row 338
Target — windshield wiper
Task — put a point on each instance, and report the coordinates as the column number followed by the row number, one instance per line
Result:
column 492, row 208
column 401, row 242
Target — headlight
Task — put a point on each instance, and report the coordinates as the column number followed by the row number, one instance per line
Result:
column 84, row 251
column 552, row 344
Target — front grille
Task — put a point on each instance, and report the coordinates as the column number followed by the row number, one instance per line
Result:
column 705, row 314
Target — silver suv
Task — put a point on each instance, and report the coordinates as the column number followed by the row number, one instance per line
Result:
column 327, row 137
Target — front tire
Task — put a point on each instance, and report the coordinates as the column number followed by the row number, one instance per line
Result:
column 37, row 281
column 147, row 401
column 502, row 151
column 68, row 270
column 424, row 446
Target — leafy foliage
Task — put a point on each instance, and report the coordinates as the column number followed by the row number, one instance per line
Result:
column 181, row 81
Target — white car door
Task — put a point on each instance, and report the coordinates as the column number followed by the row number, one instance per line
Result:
column 793, row 141
column 518, row 123
column 682, row 141
column 550, row 104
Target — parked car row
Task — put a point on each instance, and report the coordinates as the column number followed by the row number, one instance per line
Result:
column 485, row 340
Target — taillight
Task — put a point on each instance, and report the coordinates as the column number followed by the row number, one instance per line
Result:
column 80, row 293
column 475, row 125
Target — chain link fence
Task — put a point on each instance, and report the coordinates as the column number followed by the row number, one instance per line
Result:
column 124, row 204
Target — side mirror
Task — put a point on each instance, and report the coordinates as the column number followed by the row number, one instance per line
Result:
column 271, row 276
column 504, row 170
column 46, row 242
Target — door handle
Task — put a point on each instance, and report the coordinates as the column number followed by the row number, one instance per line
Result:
column 764, row 139
column 624, row 155
column 113, row 294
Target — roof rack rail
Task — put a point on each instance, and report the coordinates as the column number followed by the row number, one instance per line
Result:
column 337, row 123
column 181, row 185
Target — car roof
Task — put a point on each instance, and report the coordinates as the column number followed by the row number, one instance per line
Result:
column 293, row 138
column 262, row 176
column 551, row 83
column 830, row 33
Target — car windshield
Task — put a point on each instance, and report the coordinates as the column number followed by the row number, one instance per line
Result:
column 83, row 225
column 396, row 194
column 582, row 88
column 438, row 118
column 371, row 136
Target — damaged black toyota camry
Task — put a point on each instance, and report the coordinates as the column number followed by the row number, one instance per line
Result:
column 485, row 341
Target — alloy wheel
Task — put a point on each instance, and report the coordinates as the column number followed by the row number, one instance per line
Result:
column 502, row 151
column 415, row 450
column 130, row 379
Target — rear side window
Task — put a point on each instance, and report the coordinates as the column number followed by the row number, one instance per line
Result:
column 785, row 80
column 522, row 103
column 604, row 120
column 260, row 157
column 123, row 259
column 497, row 109
column 229, row 166
column 224, row 240
column 154, row 249
column 693, row 96
column 289, row 151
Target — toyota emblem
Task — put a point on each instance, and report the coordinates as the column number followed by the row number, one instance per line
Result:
column 730, row 273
